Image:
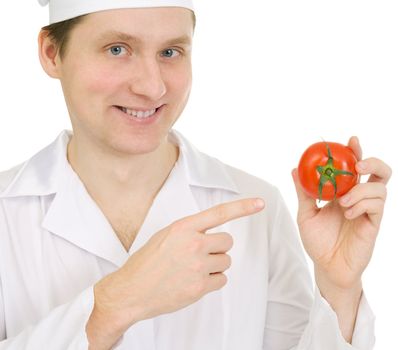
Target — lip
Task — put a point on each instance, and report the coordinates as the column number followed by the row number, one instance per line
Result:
column 140, row 109
column 139, row 122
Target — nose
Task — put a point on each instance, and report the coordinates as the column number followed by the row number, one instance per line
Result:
column 147, row 79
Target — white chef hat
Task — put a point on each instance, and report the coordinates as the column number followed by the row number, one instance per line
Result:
column 61, row 10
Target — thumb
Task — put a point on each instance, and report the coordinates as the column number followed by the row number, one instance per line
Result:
column 307, row 207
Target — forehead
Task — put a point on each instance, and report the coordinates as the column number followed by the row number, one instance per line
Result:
column 140, row 24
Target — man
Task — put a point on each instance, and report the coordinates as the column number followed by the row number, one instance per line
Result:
column 105, row 233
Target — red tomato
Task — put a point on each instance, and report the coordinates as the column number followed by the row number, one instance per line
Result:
column 327, row 170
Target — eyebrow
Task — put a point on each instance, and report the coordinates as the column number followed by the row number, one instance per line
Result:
column 184, row 39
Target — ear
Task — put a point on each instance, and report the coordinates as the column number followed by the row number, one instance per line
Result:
column 48, row 55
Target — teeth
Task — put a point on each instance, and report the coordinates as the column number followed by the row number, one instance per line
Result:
column 139, row 114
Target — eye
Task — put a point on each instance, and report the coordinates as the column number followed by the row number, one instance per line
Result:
column 169, row 53
column 116, row 50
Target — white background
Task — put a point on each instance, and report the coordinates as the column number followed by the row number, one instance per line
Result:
column 270, row 78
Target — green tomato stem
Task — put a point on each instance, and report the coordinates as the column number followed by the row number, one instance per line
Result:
column 328, row 173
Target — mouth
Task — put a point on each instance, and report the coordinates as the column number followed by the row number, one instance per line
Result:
column 139, row 113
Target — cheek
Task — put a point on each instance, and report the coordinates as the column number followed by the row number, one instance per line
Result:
column 99, row 81
column 89, row 90
column 180, row 81
column 91, row 81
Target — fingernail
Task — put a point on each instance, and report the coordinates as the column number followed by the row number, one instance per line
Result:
column 259, row 203
column 361, row 165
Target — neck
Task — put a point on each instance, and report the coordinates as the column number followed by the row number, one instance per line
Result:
column 108, row 176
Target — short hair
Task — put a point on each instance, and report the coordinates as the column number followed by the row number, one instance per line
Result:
column 59, row 33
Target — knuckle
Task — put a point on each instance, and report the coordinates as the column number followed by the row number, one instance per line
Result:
column 373, row 162
column 381, row 204
column 221, row 213
column 177, row 226
column 226, row 240
column 353, row 192
column 372, row 159
column 359, row 207
column 197, row 244
column 246, row 205
column 197, row 289
column 223, row 280
column 379, row 190
column 229, row 240
column 198, row 267
column 228, row 261
column 389, row 172
column 384, row 192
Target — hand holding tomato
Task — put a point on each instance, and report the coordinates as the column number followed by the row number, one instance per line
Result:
column 340, row 236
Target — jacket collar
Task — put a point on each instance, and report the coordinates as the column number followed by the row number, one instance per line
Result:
column 46, row 172
column 43, row 173
column 74, row 216
column 203, row 170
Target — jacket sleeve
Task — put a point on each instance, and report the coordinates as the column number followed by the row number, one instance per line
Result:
column 298, row 318
column 63, row 328
column 2, row 320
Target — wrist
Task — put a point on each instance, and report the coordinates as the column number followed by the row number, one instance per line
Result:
column 109, row 319
column 101, row 333
column 343, row 300
column 350, row 289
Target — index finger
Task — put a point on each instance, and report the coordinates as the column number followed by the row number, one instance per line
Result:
column 222, row 213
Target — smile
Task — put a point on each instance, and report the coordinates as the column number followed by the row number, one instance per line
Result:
column 138, row 114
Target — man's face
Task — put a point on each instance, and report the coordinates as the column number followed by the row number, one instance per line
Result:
column 120, row 62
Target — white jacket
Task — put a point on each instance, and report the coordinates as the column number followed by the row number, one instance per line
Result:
column 55, row 243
